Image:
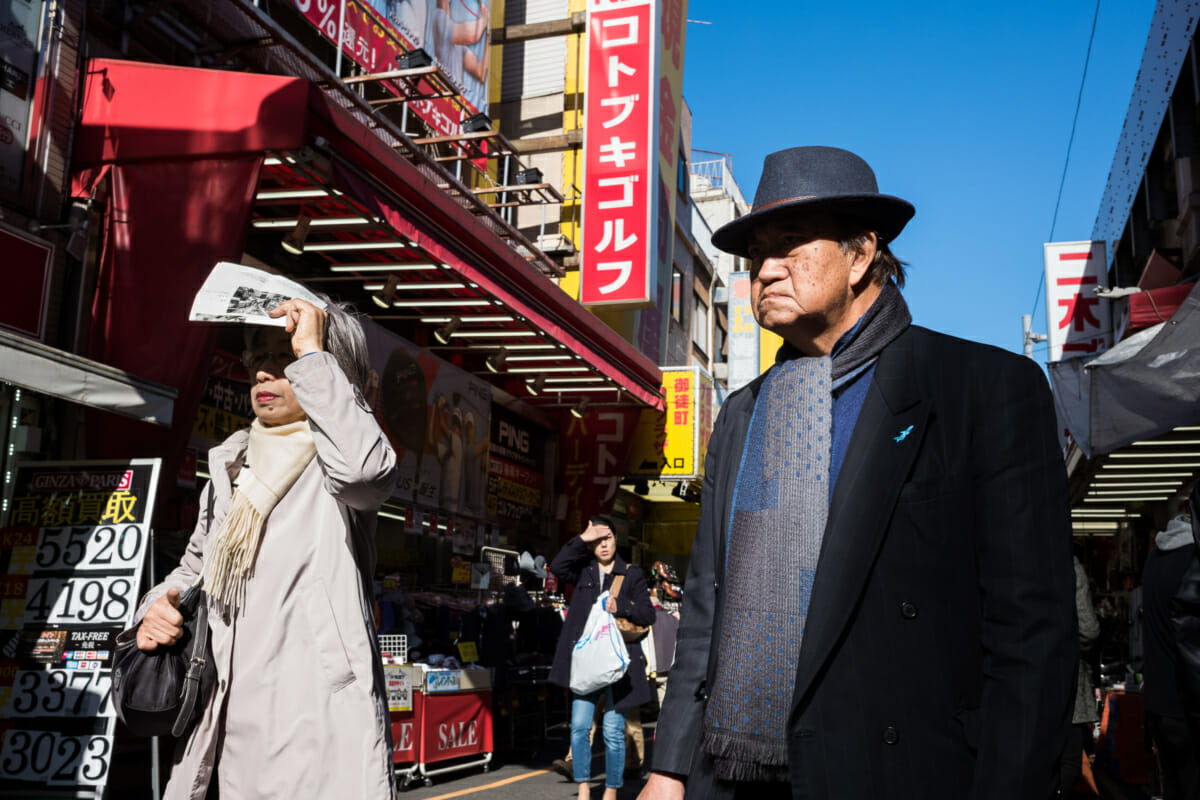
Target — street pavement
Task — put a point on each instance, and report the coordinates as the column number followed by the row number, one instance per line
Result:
column 512, row 776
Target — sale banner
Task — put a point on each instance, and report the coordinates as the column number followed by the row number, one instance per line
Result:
column 456, row 725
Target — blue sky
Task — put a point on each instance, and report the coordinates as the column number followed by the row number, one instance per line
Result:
column 963, row 109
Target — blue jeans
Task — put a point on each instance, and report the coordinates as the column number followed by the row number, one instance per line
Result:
column 583, row 711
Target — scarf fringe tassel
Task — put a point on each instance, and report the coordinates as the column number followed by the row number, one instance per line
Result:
column 230, row 560
column 740, row 758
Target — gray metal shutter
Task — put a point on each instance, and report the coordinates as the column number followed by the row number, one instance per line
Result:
column 538, row 67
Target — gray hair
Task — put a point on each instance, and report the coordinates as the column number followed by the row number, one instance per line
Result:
column 346, row 341
column 885, row 264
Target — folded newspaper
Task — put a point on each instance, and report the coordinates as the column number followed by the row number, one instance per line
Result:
column 237, row 293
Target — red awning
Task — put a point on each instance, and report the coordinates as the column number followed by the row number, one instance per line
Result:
column 376, row 213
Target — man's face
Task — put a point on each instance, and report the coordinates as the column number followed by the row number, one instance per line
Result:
column 801, row 283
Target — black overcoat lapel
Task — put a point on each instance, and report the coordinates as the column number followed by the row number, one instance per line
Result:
column 882, row 449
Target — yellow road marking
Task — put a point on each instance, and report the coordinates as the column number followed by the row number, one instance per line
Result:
column 504, row 782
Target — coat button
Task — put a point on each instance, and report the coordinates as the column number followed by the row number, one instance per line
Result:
column 908, row 610
column 891, row 735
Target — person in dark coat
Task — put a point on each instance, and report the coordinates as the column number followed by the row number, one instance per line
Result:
column 1175, row 736
column 590, row 562
column 880, row 599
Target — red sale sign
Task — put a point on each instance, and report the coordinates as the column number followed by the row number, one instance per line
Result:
column 456, row 725
column 620, row 155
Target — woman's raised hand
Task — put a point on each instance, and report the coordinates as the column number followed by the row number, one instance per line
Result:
column 594, row 532
column 305, row 322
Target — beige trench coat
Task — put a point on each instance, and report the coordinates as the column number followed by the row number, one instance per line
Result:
column 300, row 708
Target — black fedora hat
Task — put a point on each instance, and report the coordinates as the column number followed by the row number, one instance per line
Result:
column 820, row 178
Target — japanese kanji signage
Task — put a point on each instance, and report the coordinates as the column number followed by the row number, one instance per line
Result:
column 71, row 558
column 593, row 458
column 671, row 444
column 631, row 127
column 225, row 405
column 1077, row 320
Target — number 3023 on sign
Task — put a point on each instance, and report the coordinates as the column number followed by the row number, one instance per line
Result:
column 55, row 759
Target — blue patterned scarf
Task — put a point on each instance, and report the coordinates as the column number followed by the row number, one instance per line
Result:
column 779, row 510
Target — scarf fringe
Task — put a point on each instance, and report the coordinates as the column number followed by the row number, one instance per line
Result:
column 230, row 560
column 745, row 759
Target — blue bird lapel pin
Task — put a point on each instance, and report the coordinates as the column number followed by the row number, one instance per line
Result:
column 903, row 434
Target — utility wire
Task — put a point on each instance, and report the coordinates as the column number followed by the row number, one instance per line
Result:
column 1067, row 161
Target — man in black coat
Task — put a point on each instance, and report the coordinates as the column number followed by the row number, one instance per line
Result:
column 880, row 598
column 1173, row 732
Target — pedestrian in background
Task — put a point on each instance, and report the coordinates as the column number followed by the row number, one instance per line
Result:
column 1085, row 714
column 1174, row 735
column 590, row 562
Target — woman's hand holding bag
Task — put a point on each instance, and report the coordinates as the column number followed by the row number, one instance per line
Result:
column 600, row 657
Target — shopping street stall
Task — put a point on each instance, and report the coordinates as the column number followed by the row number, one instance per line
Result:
column 441, row 718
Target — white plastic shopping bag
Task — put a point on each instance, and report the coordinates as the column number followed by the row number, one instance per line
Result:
column 600, row 657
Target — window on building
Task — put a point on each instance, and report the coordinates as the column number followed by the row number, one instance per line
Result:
column 683, row 177
column 699, row 322
column 721, row 333
column 677, row 294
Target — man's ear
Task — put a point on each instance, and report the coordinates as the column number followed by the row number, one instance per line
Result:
column 864, row 256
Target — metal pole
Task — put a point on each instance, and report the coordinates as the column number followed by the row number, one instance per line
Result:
column 155, row 767
column 337, row 70
column 1026, row 332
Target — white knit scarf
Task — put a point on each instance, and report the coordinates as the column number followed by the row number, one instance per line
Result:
column 276, row 456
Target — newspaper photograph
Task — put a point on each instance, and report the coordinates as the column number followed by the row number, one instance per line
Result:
column 237, row 293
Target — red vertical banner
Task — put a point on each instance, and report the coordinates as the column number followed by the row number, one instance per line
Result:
column 620, row 155
column 594, row 454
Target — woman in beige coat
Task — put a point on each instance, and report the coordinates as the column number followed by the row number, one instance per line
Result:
column 284, row 540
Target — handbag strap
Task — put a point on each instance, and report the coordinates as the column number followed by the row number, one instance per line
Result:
column 197, row 660
column 615, row 590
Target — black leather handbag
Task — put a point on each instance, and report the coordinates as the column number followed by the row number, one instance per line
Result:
column 162, row 693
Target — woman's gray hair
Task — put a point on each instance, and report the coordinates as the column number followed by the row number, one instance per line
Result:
column 346, row 341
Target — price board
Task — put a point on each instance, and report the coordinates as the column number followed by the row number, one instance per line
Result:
column 71, row 559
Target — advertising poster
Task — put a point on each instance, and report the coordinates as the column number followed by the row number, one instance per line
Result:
column 516, row 467
column 456, row 33
column 437, row 417
column 743, row 333
column 20, row 31
column 72, row 556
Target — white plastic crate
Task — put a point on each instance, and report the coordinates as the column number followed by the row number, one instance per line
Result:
column 394, row 648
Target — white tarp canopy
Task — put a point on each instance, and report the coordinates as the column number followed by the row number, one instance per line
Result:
column 1144, row 386
column 39, row 368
